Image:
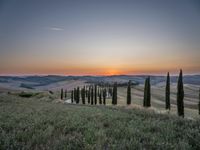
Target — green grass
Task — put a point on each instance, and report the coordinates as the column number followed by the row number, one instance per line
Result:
column 32, row 123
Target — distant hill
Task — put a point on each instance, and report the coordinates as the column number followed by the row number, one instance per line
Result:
column 51, row 81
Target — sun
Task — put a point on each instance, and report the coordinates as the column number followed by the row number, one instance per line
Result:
column 111, row 72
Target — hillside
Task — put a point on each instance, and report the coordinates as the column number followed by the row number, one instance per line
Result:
column 42, row 122
column 53, row 82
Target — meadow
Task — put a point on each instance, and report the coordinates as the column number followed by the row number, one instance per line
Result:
column 41, row 121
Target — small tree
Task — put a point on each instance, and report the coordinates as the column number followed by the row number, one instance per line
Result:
column 180, row 95
column 129, row 93
column 104, row 96
column 61, row 94
column 167, row 94
column 72, row 96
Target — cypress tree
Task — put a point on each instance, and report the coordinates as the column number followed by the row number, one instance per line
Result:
column 95, row 94
column 78, row 95
column 65, row 94
column 199, row 101
column 104, row 96
column 89, row 91
column 129, row 93
column 100, row 98
column 114, row 97
column 72, row 96
column 61, row 94
column 83, row 95
column 98, row 93
column 147, row 93
column 167, row 94
column 86, row 92
column 180, row 95
column 92, row 96
column 75, row 97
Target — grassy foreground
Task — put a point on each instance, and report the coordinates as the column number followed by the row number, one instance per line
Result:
column 30, row 123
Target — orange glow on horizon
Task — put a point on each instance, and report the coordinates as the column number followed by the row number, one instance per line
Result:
column 105, row 71
column 63, row 67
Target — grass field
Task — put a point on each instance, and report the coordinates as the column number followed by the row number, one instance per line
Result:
column 41, row 122
column 191, row 98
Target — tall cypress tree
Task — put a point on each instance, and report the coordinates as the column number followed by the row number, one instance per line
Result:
column 75, row 97
column 95, row 94
column 167, row 92
column 147, row 93
column 86, row 92
column 83, row 95
column 199, row 101
column 61, row 94
column 114, row 97
column 98, row 93
column 65, row 94
column 89, row 91
column 72, row 96
column 78, row 95
column 129, row 93
column 100, row 97
column 180, row 95
column 104, row 96
column 92, row 95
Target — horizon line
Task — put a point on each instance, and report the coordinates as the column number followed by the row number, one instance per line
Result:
column 97, row 75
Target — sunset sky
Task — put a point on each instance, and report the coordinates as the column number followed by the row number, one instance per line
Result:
column 99, row 37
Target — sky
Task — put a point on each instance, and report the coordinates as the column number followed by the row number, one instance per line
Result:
column 99, row 37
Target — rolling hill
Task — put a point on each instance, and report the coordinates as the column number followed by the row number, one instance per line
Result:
column 42, row 123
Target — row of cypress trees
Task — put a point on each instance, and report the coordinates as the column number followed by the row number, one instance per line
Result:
column 63, row 94
column 92, row 93
column 147, row 94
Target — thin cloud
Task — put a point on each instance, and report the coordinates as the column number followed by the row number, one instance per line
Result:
column 55, row 28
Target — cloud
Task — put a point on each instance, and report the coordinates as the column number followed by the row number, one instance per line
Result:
column 55, row 28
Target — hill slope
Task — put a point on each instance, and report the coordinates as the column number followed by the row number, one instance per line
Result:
column 30, row 123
